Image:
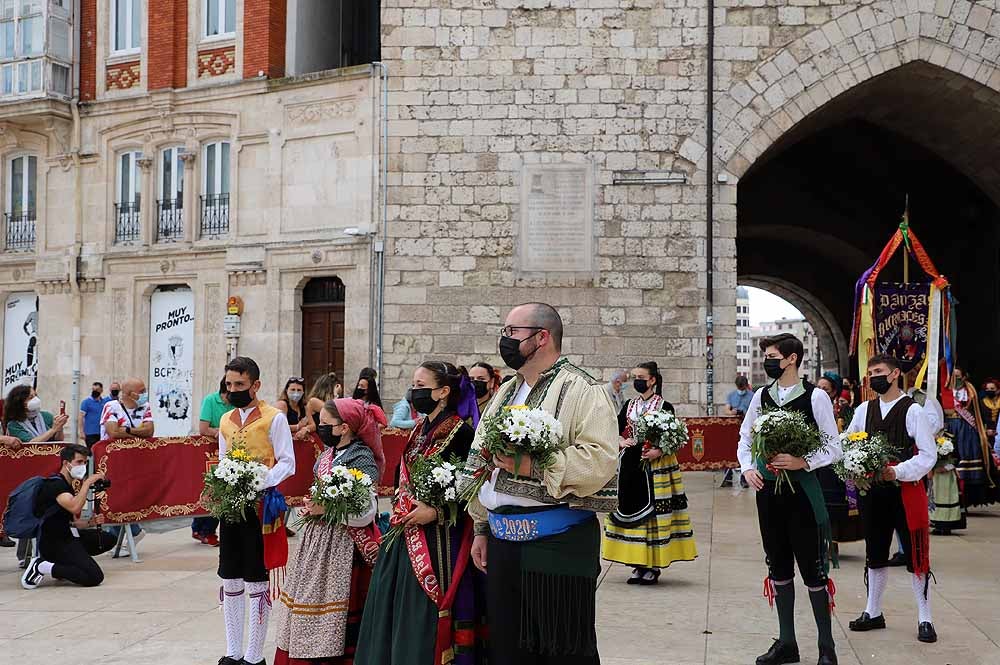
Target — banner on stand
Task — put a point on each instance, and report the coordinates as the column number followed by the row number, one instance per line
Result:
column 20, row 340
column 171, row 361
column 901, row 321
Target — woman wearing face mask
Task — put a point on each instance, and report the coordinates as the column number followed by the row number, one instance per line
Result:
column 366, row 390
column 486, row 380
column 964, row 420
column 327, row 387
column 290, row 403
column 328, row 578
column 409, row 609
column 24, row 419
column 651, row 528
column 990, row 404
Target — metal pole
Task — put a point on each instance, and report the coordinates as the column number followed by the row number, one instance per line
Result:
column 709, row 216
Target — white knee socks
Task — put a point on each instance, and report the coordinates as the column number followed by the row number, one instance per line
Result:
column 233, row 602
column 260, row 611
column 923, row 602
column 877, row 580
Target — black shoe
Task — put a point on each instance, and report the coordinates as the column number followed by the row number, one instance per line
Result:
column 226, row 660
column 779, row 654
column 636, row 576
column 32, row 577
column 827, row 656
column 941, row 532
column 926, row 632
column 897, row 559
column 5, row 541
column 865, row 623
column 650, row 577
column 263, row 661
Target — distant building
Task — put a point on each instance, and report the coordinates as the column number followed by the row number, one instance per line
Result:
column 810, row 368
column 743, row 344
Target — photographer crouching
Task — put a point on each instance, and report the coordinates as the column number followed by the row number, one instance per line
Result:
column 67, row 543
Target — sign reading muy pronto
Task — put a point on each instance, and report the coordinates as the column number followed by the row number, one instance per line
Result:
column 171, row 361
column 557, row 218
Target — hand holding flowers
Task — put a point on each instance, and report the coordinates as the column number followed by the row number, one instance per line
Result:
column 432, row 494
column 338, row 495
column 784, row 439
column 235, row 483
column 866, row 460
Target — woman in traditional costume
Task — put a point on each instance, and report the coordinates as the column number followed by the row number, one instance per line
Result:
column 964, row 421
column 651, row 528
column 324, row 593
column 486, row 380
column 426, row 604
column 990, row 410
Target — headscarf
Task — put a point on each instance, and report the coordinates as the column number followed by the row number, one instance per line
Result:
column 834, row 379
column 468, row 405
column 361, row 418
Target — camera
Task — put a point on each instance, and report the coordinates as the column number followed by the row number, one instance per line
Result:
column 101, row 485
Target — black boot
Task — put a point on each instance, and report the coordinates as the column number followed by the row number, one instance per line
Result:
column 779, row 654
column 865, row 623
column 827, row 656
column 926, row 632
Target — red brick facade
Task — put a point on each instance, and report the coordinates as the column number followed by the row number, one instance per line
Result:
column 168, row 41
column 123, row 76
column 88, row 50
column 264, row 38
column 216, row 61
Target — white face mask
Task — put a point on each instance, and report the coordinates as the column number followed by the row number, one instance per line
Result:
column 34, row 404
column 294, row 395
column 78, row 472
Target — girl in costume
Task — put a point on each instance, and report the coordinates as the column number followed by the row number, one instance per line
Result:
column 327, row 584
column 486, row 381
column 963, row 420
column 651, row 528
column 426, row 601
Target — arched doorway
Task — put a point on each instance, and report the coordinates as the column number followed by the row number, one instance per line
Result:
column 322, row 328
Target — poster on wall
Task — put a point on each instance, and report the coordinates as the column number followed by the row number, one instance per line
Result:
column 171, row 361
column 20, row 340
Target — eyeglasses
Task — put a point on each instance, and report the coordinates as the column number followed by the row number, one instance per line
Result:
column 297, row 379
column 508, row 331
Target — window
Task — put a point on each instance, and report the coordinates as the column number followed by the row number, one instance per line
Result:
column 126, row 25
column 21, row 203
column 220, row 17
column 128, row 200
column 215, row 185
column 170, row 208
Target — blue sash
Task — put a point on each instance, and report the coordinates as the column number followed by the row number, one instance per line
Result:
column 528, row 526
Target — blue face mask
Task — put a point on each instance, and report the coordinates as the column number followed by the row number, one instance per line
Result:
column 143, row 399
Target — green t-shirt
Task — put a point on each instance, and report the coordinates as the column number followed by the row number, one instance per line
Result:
column 212, row 409
column 19, row 430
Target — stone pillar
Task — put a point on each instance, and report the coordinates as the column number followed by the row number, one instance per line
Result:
column 192, row 211
column 147, row 201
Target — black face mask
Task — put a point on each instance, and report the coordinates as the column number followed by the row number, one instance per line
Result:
column 325, row 434
column 990, row 393
column 240, row 398
column 359, row 393
column 641, row 386
column 96, row 394
column 422, row 401
column 772, row 367
column 481, row 388
column 880, row 384
column 114, row 394
column 510, row 351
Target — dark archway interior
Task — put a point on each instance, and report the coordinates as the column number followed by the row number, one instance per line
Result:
column 819, row 206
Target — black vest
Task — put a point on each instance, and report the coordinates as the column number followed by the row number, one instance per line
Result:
column 893, row 426
column 802, row 403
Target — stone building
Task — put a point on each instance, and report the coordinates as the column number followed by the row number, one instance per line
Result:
column 812, row 366
column 744, row 343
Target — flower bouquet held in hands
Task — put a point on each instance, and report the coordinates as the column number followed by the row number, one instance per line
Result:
column 516, row 431
column 945, row 450
column 663, row 430
column 237, row 482
column 865, row 455
column 340, row 494
column 776, row 432
column 433, row 480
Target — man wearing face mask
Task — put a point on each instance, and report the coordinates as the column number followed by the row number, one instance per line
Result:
column 129, row 416
column 530, row 579
column 738, row 401
column 115, row 389
column 794, row 525
column 66, row 542
column 90, row 414
column 900, row 502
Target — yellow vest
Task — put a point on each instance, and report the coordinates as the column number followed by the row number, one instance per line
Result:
column 254, row 435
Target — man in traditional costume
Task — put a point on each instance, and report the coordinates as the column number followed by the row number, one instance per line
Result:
column 542, row 574
column 794, row 525
column 251, row 548
column 900, row 503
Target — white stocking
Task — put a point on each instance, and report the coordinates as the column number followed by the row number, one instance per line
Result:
column 923, row 602
column 233, row 602
column 878, row 578
column 260, row 611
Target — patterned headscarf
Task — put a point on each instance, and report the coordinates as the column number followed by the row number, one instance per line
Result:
column 364, row 422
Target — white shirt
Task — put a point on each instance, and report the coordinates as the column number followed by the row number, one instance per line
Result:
column 125, row 417
column 825, row 420
column 918, row 425
column 488, row 494
column 281, row 441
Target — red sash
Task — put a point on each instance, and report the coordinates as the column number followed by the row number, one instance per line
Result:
column 918, row 520
column 366, row 539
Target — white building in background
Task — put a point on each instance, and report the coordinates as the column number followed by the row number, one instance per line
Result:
column 811, row 361
column 744, row 354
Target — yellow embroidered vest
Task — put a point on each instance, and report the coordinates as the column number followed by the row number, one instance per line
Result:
column 254, row 435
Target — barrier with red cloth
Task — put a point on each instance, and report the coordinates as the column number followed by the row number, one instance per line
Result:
column 712, row 443
column 32, row 459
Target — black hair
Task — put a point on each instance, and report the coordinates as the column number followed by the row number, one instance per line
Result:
column 741, row 382
column 886, row 360
column 654, row 371
column 98, row 383
column 244, row 365
column 786, row 343
column 546, row 316
column 71, row 450
column 223, row 388
column 15, row 408
column 372, row 392
column 493, row 372
column 446, row 374
column 368, row 373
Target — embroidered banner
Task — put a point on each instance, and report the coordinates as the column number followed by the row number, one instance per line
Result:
column 712, row 445
column 33, row 459
column 901, row 318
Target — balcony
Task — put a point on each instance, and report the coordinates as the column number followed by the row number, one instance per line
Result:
column 128, row 225
column 35, row 50
column 170, row 220
column 214, row 215
column 19, row 232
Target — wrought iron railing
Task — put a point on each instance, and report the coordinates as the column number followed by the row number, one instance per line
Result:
column 128, row 227
column 20, row 231
column 170, row 220
column 214, row 215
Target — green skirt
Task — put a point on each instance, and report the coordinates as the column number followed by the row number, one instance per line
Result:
column 948, row 512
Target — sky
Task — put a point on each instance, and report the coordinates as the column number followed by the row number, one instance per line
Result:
column 766, row 306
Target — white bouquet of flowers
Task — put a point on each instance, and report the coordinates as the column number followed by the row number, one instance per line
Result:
column 865, row 455
column 235, row 483
column 663, row 430
column 434, row 481
column 778, row 431
column 341, row 493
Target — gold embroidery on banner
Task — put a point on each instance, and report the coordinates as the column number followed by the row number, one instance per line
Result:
column 32, row 450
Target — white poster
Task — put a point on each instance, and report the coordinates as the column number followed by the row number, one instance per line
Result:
column 20, row 340
column 171, row 361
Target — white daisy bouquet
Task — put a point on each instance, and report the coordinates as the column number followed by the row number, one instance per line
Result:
column 778, row 431
column 663, row 430
column 433, row 481
column 865, row 455
column 341, row 493
column 236, row 482
column 945, row 450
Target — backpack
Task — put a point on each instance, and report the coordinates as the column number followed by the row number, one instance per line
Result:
column 19, row 520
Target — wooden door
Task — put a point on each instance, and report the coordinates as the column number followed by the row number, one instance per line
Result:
column 322, row 341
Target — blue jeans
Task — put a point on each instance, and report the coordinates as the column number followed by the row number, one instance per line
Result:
column 204, row 526
column 116, row 529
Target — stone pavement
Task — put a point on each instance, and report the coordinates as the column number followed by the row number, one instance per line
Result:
column 708, row 612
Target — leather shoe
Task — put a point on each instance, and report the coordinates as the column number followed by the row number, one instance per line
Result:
column 864, row 623
column 827, row 656
column 5, row 541
column 926, row 632
column 226, row 660
column 779, row 654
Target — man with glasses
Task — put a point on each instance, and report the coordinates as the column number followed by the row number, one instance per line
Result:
column 542, row 587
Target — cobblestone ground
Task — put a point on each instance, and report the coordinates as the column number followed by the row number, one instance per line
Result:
column 708, row 612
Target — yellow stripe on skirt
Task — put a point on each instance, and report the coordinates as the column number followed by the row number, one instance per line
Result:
column 663, row 537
